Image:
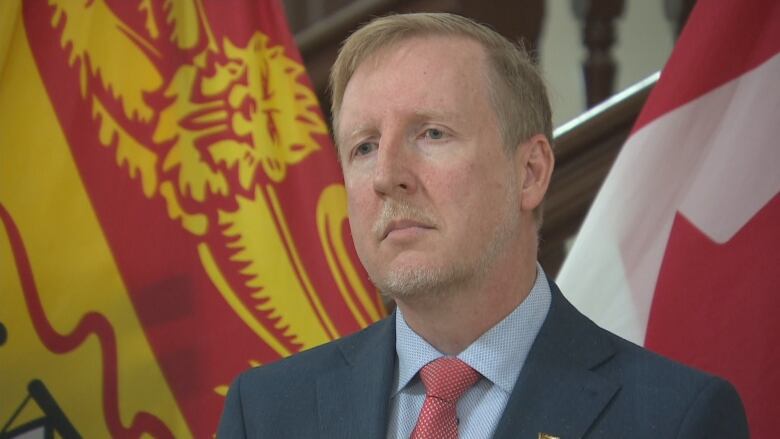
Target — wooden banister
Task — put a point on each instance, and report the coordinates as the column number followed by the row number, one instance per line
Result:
column 585, row 149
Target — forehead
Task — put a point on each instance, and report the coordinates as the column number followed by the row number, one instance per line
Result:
column 421, row 74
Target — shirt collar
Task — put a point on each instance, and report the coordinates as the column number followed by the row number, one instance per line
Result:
column 498, row 354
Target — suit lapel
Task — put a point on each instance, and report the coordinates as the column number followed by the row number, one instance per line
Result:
column 362, row 385
column 557, row 392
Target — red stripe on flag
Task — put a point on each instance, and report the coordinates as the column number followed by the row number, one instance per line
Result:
column 706, row 56
column 715, row 308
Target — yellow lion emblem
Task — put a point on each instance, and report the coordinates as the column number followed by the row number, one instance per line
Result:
column 213, row 139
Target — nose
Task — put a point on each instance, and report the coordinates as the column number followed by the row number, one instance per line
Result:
column 394, row 174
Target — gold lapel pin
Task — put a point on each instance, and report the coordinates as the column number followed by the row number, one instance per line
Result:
column 547, row 436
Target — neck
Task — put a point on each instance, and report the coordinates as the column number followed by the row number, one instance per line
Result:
column 452, row 321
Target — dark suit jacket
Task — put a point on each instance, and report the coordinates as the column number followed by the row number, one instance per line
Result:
column 579, row 381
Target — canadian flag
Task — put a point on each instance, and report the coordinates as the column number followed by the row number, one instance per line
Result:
column 680, row 251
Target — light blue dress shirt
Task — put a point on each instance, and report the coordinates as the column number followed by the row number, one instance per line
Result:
column 498, row 355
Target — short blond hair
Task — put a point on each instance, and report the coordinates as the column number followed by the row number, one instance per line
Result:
column 517, row 90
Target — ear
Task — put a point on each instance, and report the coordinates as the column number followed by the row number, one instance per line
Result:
column 535, row 162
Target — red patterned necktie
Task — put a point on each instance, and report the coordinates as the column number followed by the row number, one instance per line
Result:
column 445, row 380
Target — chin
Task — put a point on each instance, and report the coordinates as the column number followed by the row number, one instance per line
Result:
column 418, row 280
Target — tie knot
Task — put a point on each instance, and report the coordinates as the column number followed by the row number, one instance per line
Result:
column 447, row 378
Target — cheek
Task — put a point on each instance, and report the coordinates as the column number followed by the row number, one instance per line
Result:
column 455, row 198
column 359, row 209
column 457, row 188
column 476, row 196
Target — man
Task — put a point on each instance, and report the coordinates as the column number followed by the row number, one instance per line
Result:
column 442, row 128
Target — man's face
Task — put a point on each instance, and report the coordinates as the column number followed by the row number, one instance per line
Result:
column 433, row 196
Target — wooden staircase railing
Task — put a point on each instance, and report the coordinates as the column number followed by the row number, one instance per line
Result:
column 585, row 149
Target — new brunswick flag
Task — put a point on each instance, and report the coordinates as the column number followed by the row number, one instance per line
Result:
column 171, row 213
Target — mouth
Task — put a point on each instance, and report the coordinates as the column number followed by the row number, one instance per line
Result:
column 404, row 226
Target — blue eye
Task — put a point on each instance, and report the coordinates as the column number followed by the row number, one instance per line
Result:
column 364, row 148
column 434, row 133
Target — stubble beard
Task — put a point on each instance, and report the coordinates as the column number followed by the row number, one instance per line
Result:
column 408, row 282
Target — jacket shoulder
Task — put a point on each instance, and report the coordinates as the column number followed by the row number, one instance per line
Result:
column 310, row 363
column 274, row 398
column 655, row 396
column 669, row 398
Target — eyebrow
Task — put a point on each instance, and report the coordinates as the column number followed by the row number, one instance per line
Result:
column 415, row 117
column 435, row 114
column 357, row 132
